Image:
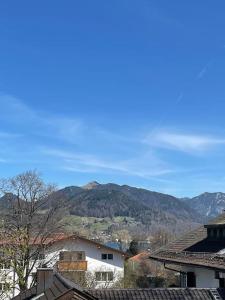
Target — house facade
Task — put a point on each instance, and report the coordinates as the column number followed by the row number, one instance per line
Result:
column 199, row 256
column 81, row 260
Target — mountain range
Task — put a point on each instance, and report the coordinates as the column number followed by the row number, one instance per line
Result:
column 151, row 209
column 208, row 204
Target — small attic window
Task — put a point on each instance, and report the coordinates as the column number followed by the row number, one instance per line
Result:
column 216, row 233
column 209, row 233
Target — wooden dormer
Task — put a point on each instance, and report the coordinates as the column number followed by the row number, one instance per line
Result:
column 216, row 229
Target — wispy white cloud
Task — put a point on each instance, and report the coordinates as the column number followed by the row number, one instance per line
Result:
column 191, row 143
column 145, row 167
column 203, row 71
column 39, row 123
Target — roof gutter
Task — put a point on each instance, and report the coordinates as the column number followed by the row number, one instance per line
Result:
column 174, row 270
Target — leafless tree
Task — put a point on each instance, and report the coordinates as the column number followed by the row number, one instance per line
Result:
column 90, row 281
column 160, row 238
column 29, row 221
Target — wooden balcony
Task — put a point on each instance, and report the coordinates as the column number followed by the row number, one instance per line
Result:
column 80, row 265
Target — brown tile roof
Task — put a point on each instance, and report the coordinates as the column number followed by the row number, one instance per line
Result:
column 195, row 236
column 187, row 240
column 194, row 248
column 156, row 294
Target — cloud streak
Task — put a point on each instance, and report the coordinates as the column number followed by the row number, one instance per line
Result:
column 183, row 142
column 39, row 123
column 81, row 162
column 203, row 71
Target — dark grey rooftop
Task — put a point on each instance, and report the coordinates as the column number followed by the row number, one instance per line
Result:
column 158, row 294
column 61, row 288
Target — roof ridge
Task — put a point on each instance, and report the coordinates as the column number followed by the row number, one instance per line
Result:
column 68, row 283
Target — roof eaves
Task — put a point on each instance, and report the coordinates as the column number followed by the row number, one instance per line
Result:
column 185, row 263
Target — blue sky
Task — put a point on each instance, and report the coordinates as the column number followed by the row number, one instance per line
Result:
column 131, row 92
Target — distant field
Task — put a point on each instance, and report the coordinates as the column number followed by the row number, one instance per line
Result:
column 91, row 226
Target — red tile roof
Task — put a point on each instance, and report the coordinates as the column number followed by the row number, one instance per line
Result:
column 54, row 238
column 140, row 257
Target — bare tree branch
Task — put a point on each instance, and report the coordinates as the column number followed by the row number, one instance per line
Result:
column 28, row 223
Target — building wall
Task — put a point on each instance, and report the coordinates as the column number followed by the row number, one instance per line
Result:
column 93, row 258
column 205, row 278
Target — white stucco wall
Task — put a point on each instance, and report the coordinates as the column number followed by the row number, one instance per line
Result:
column 205, row 278
column 93, row 257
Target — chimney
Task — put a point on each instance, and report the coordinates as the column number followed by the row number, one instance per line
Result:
column 44, row 279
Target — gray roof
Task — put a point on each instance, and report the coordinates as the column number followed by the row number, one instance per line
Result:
column 158, row 294
column 60, row 288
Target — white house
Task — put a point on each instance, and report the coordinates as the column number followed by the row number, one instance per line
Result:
column 198, row 256
column 79, row 259
column 74, row 254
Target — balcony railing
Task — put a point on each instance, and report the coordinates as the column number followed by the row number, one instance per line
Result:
column 72, row 265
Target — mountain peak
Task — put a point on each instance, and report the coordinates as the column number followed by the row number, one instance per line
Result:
column 91, row 185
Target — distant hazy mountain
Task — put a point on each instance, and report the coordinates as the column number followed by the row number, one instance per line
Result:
column 208, row 204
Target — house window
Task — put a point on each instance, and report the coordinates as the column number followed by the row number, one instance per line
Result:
column 107, row 256
column 223, row 232
column 221, row 282
column 209, row 233
column 218, row 234
column 191, row 279
column 98, row 276
column 72, row 255
column 79, row 256
column 104, row 276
